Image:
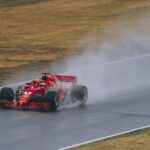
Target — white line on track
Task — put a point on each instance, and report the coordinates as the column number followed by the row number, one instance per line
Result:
column 103, row 138
column 109, row 63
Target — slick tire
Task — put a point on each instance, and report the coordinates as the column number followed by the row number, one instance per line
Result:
column 80, row 93
column 7, row 93
column 52, row 97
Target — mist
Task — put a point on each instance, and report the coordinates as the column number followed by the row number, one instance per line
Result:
column 114, row 61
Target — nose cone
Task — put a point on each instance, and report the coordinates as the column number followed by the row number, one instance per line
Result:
column 23, row 101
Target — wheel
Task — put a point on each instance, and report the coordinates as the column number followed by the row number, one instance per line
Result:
column 80, row 93
column 52, row 97
column 7, row 93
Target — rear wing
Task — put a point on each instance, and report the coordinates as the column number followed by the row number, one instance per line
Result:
column 64, row 78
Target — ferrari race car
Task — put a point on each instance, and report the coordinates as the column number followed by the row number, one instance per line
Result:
column 47, row 93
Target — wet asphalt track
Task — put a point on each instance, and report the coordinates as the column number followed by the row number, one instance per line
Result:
column 22, row 130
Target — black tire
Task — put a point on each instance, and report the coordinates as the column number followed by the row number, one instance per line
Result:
column 7, row 93
column 80, row 93
column 52, row 97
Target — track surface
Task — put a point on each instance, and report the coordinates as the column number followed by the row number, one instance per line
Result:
column 50, row 131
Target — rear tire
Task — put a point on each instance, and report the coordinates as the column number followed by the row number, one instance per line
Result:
column 80, row 93
column 52, row 97
column 7, row 93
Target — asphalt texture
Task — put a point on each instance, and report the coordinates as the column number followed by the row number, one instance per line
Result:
column 32, row 130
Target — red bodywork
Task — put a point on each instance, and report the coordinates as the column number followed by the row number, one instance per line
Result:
column 40, row 87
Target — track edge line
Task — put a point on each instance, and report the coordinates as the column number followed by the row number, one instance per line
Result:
column 103, row 138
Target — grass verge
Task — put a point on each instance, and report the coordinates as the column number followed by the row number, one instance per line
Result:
column 39, row 30
column 139, row 140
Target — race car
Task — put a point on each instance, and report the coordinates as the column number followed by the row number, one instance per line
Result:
column 46, row 93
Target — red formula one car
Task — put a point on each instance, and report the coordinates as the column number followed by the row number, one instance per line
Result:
column 47, row 93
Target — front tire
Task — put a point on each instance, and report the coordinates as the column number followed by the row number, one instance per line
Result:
column 52, row 97
column 7, row 93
